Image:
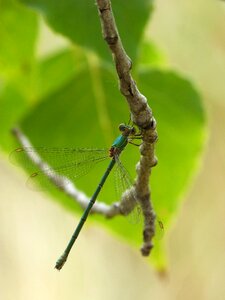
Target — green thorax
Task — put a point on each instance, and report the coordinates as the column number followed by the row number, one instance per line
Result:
column 120, row 142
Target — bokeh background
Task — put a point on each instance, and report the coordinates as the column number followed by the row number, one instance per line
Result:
column 192, row 36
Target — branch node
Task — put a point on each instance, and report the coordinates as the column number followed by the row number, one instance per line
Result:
column 111, row 40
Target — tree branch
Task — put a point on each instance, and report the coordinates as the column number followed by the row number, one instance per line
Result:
column 141, row 115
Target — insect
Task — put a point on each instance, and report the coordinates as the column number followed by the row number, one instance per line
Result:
column 73, row 163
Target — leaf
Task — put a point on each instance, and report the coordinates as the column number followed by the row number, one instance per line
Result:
column 23, row 79
column 48, row 78
column 150, row 56
column 18, row 31
column 79, row 21
column 12, row 105
column 85, row 113
column 55, row 71
column 18, row 27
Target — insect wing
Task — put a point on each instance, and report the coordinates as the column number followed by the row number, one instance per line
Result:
column 60, row 165
column 124, row 190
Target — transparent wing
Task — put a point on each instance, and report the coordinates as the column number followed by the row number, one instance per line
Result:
column 71, row 163
column 130, row 206
column 123, row 187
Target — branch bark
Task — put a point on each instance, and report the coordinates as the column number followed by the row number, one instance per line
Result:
column 141, row 115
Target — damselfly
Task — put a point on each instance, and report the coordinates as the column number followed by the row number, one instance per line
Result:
column 73, row 163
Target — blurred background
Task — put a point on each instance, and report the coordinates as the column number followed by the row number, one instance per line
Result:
column 192, row 35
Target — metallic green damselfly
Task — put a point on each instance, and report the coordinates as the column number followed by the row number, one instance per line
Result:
column 73, row 163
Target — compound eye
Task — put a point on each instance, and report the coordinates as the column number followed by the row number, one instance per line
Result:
column 122, row 127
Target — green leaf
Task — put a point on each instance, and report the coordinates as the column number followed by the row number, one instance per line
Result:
column 86, row 112
column 150, row 56
column 18, row 32
column 18, row 28
column 13, row 105
column 55, row 71
column 79, row 21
